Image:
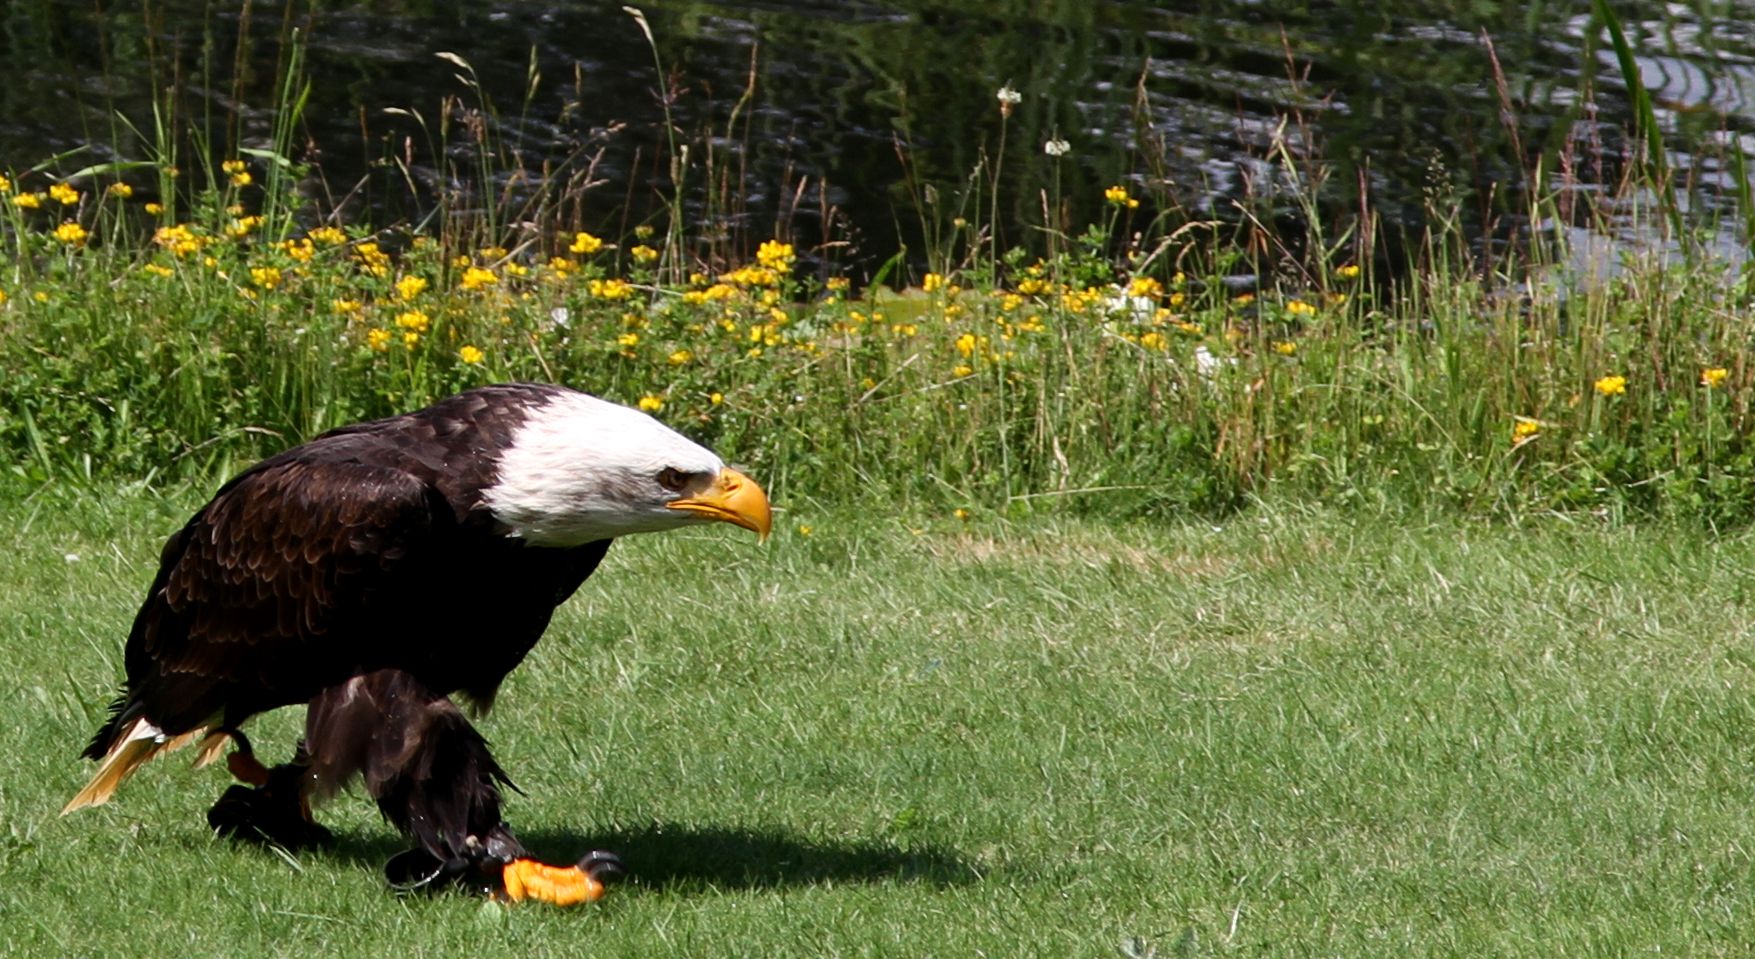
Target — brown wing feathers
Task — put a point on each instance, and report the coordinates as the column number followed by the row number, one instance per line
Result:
column 334, row 559
column 267, row 596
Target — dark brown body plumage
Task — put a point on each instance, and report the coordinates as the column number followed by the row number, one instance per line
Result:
column 358, row 572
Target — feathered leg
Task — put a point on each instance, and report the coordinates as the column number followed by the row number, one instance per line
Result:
column 434, row 779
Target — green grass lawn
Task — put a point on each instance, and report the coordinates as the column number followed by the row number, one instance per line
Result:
column 1288, row 734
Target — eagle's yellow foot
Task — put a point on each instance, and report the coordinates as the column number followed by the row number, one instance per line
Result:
column 561, row 885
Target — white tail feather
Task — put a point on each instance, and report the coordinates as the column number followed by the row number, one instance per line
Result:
column 138, row 743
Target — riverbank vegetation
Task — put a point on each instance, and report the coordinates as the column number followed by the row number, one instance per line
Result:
column 182, row 313
column 957, row 703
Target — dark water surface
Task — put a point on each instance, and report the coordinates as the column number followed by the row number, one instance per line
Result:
column 1398, row 100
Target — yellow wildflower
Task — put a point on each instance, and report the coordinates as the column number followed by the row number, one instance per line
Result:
column 243, row 226
column 71, row 234
column 1524, row 429
column 159, row 269
column 1153, row 340
column 410, row 287
column 344, row 307
column 966, row 344
column 609, row 289
column 378, row 339
column 232, row 166
column 752, row 276
column 493, row 253
column 774, row 255
column 1285, row 348
column 120, row 190
column 651, row 403
column 242, row 178
column 28, row 201
column 837, row 284
column 932, row 282
column 5, row 184
column 1714, row 377
column 1080, row 300
column 1612, row 385
column 1144, row 286
column 328, row 236
column 471, row 355
column 63, row 194
column 679, row 357
column 1299, row 308
column 266, row 277
column 643, row 254
column 475, row 278
column 410, row 339
column 715, row 398
column 301, row 249
column 804, row 531
column 961, row 513
column 154, row 209
column 1118, row 196
column 1347, row 271
column 414, row 320
column 628, row 339
column 372, row 259
column 962, row 369
column 585, row 244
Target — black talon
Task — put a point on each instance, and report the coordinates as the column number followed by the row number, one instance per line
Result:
column 477, row 867
column 603, row 866
column 414, row 870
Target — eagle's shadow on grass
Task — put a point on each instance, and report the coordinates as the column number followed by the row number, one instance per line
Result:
column 712, row 857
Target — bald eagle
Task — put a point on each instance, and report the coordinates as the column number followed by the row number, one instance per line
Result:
column 334, row 574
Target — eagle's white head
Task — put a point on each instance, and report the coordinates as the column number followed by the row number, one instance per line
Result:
column 581, row 469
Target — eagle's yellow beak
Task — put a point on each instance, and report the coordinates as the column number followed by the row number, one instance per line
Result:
column 733, row 498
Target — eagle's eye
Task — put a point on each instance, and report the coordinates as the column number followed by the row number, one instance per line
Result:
column 673, row 479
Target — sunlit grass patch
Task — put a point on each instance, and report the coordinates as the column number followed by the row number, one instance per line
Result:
column 1313, row 731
